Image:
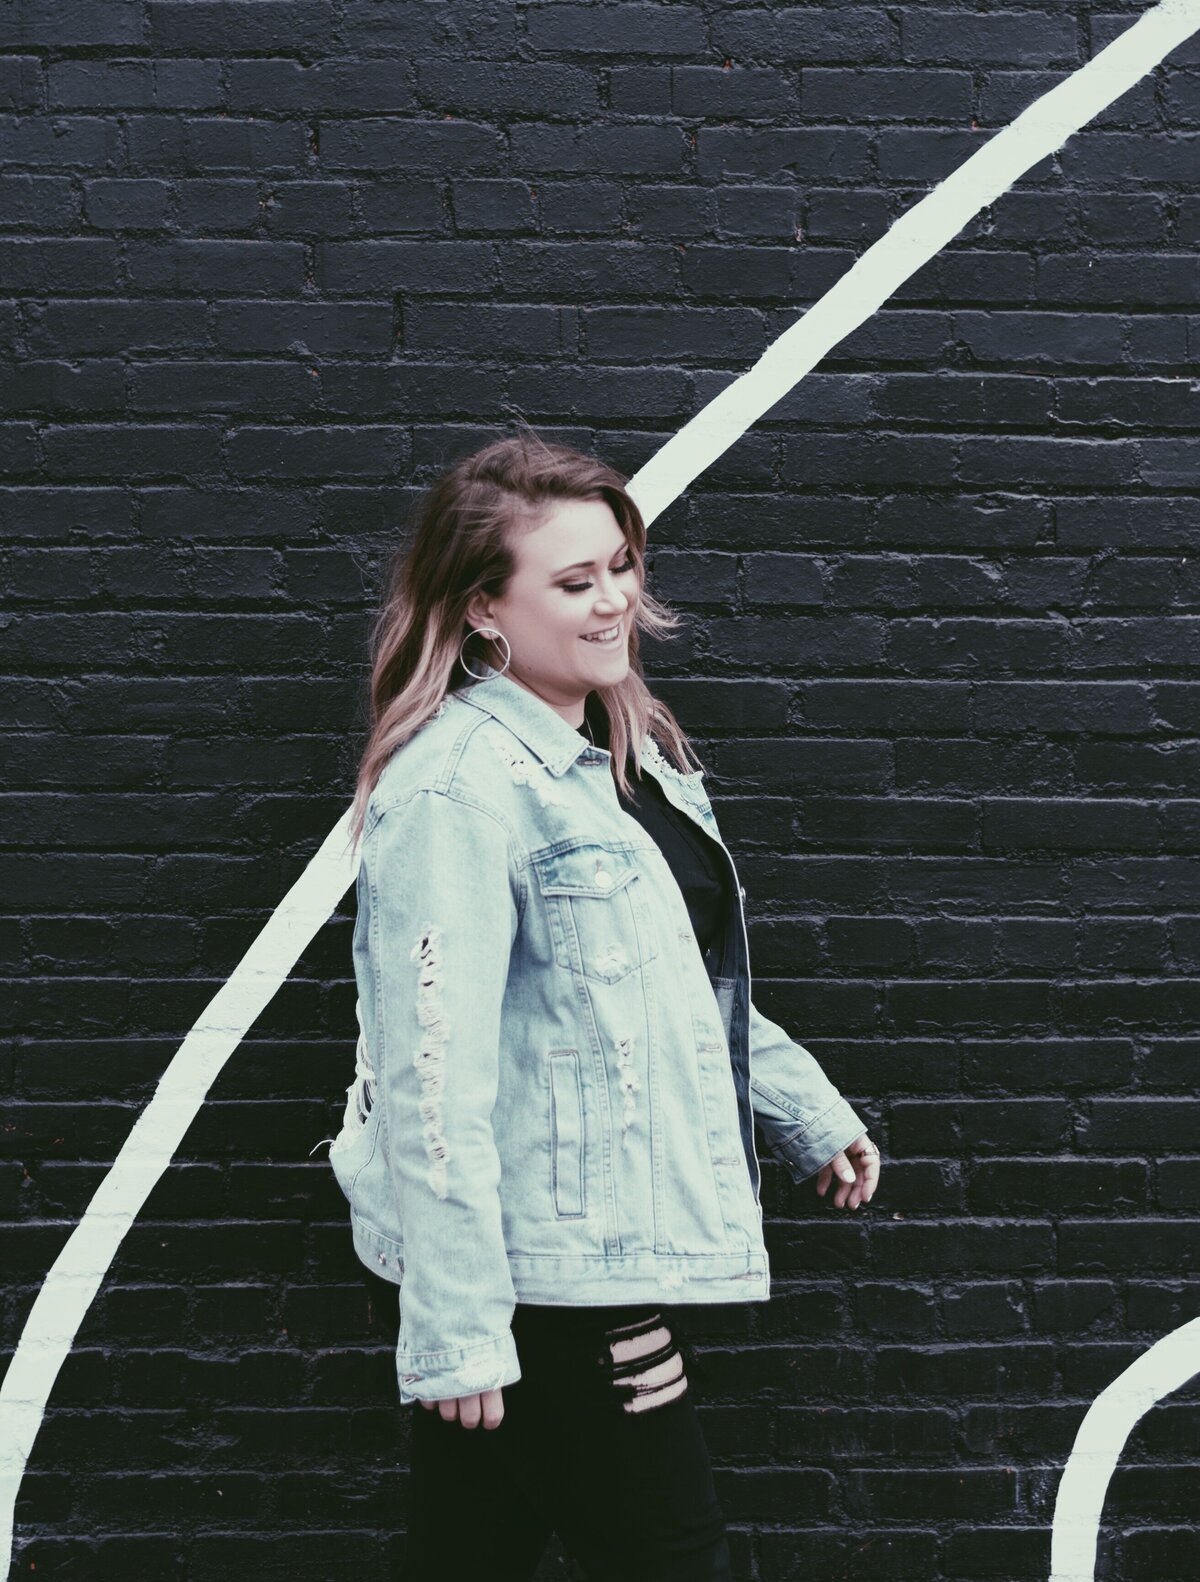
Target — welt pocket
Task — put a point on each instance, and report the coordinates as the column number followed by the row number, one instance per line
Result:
column 566, row 1133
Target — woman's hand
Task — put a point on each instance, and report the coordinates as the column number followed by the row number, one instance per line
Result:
column 857, row 1170
column 471, row 1409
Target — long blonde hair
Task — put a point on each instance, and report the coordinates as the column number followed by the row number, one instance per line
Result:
column 465, row 524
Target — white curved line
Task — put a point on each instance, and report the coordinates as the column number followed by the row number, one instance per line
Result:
column 74, row 1277
column 1107, row 1424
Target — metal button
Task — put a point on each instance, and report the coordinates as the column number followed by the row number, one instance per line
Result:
column 603, row 878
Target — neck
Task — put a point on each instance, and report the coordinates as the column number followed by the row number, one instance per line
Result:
column 572, row 712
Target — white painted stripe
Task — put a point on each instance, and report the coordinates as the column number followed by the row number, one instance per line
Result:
column 1107, row 1424
column 76, row 1274
column 916, row 237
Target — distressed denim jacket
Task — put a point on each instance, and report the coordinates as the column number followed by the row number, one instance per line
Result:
column 554, row 1098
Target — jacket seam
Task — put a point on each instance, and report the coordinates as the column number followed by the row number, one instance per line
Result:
column 457, row 1351
column 463, row 799
column 797, row 1114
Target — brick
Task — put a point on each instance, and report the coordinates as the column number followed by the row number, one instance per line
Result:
column 1074, row 707
column 821, row 643
column 971, row 645
column 1072, row 1306
column 758, row 211
column 886, row 94
column 634, row 150
column 983, row 1125
column 1021, row 1186
column 1024, row 824
column 870, row 942
column 179, row 24
column 784, row 579
column 1145, row 1122
column 1046, row 945
column 1126, row 1246
column 998, row 1551
column 846, row 215
column 951, row 765
column 932, row 1493
column 584, row 271
column 884, row 823
column 1002, row 38
column 1167, row 1551
column 770, row 154
column 482, row 87
column 1013, row 1370
column 984, row 1309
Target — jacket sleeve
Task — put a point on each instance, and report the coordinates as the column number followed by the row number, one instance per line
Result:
column 444, row 907
column 803, row 1118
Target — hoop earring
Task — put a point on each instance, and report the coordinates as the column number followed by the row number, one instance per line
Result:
column 480, row 631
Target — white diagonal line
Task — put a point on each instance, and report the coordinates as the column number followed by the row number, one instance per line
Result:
column 917, row 236
column 76, row 1274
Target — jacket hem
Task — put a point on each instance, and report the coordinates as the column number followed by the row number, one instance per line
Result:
column 380, row 1253
column 602, row 1280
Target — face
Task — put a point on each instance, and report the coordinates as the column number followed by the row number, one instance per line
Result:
column 574, row 577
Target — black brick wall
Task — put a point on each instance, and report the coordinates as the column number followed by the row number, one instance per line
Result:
column 264, row 269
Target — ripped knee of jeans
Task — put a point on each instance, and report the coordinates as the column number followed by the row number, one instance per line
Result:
column 646, row 1365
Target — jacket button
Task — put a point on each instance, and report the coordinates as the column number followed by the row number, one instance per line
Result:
column 603, row 878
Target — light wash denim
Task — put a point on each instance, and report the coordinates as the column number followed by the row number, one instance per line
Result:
column 554, row 1098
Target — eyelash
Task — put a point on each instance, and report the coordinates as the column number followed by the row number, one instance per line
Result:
column 582, row 587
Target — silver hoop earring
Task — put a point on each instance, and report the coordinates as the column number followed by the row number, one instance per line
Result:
column 480, row 630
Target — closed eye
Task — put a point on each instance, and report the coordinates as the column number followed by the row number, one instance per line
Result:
column 582, row 587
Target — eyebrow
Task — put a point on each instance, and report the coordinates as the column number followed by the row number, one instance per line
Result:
column 576, row 564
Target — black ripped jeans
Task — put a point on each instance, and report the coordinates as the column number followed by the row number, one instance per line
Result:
column 600, row 1443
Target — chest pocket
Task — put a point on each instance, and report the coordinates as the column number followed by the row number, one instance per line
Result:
column 598, row 912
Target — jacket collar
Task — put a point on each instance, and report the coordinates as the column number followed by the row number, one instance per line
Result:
column 542, row 729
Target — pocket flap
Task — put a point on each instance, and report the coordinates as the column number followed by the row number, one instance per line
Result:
column 585, row 870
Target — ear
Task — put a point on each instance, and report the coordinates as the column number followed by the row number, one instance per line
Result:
column 479, row 610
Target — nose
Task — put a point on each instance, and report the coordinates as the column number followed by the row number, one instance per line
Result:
column 610, row 594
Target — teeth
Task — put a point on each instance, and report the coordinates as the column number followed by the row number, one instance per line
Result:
column 600, row 637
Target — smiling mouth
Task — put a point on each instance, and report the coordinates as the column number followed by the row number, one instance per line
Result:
column 606, row 639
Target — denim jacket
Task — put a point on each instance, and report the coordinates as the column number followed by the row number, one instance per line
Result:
column 554, row 1096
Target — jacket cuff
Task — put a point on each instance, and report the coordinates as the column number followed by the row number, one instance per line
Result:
column 813, row 1146
column 465, row 1370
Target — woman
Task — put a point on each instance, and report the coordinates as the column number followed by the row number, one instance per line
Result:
column 549, row 1141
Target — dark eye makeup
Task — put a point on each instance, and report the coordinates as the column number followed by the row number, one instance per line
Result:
column 581, row 587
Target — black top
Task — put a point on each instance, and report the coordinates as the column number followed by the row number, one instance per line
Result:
column 694, row 858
